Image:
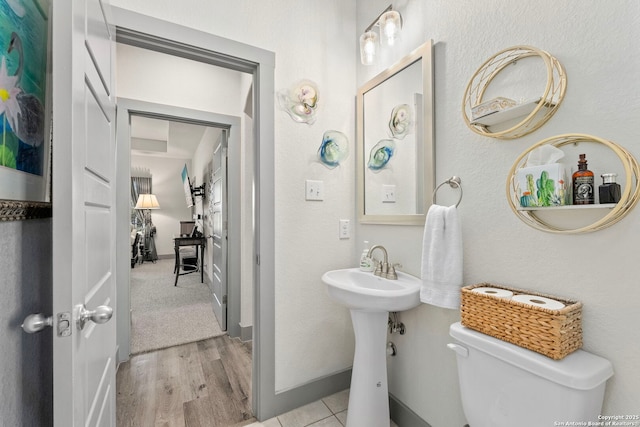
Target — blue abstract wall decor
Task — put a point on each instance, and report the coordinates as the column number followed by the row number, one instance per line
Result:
column 333, row 149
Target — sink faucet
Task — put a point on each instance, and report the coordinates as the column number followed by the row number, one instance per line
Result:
column 383, row 269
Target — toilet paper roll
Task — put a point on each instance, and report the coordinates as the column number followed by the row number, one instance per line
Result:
column 495, row 292
column 543, row 302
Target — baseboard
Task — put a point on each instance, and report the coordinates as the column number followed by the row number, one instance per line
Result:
column 296, row 397
column 246, row 333
column 403, row 416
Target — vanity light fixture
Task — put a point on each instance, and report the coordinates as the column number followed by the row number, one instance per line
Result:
column 390, row 24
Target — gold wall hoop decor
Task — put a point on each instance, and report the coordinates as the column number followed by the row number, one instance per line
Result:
column 628, row 200
column 548, row 104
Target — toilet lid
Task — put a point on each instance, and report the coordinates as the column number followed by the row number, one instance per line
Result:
column 579, row 370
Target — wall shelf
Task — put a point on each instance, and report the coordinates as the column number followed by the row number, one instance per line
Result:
column 628, row 200
column 534, row 113
column 567, row 207
column 521, row 110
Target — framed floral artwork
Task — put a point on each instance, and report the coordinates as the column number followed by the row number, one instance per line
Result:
column 25, row 117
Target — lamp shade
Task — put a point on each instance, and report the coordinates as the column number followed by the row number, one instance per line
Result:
column 147, row 201
column 368, row 47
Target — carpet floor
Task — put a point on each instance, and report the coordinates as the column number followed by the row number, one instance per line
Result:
column 163, row 315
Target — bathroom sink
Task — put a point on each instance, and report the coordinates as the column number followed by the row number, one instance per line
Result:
column 362, row 290
column 370, row 298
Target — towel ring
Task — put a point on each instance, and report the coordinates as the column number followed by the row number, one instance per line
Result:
column 454, row 182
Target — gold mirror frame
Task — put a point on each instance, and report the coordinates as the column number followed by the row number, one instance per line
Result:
column 425, row 54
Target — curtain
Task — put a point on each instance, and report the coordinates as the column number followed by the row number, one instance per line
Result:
column 142, row 185
column 139, row 185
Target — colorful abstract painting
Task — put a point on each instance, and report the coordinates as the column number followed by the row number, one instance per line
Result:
column 23, row 76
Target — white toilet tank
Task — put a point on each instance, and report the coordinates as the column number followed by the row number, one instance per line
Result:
column 503, row 385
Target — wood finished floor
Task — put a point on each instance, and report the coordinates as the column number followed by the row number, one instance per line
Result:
column 200, row 384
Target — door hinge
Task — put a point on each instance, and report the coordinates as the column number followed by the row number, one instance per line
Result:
column 258, row 259
column 224, row 299
column 63, row 325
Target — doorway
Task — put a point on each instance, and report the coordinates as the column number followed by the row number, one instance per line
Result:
column 169, row 305
column 144, row 31
column 230, row 125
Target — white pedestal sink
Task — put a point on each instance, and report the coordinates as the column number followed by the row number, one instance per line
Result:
column 370, row 299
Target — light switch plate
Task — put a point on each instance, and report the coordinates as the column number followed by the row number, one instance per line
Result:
column 314, row 190
column 388, row 194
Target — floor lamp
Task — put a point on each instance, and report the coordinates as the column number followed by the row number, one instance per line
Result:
column 146, row 202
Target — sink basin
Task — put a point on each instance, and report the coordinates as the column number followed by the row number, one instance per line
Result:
column 362, row 290
column 370, row 299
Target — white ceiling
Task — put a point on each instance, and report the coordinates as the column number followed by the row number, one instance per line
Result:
column 163, row 138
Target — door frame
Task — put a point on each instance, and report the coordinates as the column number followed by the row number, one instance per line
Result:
column 232, row 125
column 150, row 33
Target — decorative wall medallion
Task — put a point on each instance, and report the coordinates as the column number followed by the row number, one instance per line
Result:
column 401, row 121
column 334, row 148
column 300, row 101
column 380, row 154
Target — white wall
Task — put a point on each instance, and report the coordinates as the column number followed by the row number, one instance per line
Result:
column 178, row 81
column 26, row 365
column 167, row 186
column 597, row 46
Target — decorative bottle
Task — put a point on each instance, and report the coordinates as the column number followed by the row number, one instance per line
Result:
column 609, row 190
column 562, row 198
column 583, row 183
column 366, row 263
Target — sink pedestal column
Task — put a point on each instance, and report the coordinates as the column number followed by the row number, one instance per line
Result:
column 369, row 395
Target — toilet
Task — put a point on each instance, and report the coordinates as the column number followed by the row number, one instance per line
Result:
column 504, row 385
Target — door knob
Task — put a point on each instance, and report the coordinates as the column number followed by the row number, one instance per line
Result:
column 102, row 314
column 36, row 322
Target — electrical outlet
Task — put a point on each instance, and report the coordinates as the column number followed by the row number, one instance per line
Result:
column 344, row 231
column 314, row 190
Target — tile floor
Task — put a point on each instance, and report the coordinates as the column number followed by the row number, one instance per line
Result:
column 330, row 411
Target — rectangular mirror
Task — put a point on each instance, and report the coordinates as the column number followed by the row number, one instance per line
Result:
column 395, row 142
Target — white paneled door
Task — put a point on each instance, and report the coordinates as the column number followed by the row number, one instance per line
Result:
column 83, row 46
column 219, row 221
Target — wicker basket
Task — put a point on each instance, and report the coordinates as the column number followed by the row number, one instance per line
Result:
column 554, row 333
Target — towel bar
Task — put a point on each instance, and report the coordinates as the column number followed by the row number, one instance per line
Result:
column 454, row 182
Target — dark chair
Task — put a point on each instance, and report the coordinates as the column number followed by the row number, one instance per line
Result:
column 134, row 250
column 187, row 256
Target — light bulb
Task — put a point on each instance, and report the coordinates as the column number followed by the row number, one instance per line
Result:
column 390, row 25
column 368, row 47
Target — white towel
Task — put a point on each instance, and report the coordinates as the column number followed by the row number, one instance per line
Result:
column 442, row 258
